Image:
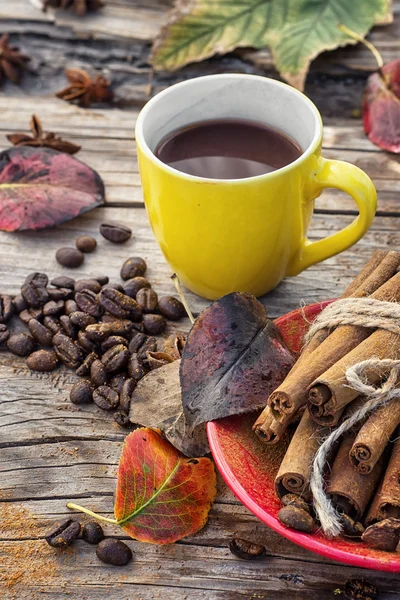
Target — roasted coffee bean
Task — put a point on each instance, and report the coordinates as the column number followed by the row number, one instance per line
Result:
column 92, row 532
column 294, row 500
column 351, row 528
column 85, row 342
column 246, row 550
column 42, row 360
column 88, row 302
column 63, row 282
column 31, row 313
column 155, row 360
column 154, row 324
column 137, row 341
column 102, row 279
column 98, row 374
column 122, row 327
column 113, row 340
column 81, row 392
column 117, row 383
column 150, row 345
column 53, row 308
column 122, row 419
column 19, row 304
column 21, row 344
column 53, row 324
column 63, row 534
column 81, row 319
column 7, row 308
column 138, row 326
column 136, row 368
column 87, row 284
column 132, row 286
column 114, row 552
column 69, row 257
column 70, row 307
column 120, row 305
column 171, row 308
column 147, row 299
column 113, row 286
column 59, row 294
column 115, row 359
column 115, row 232
column 67, row 351
column 174, row 345
column 40, row 333
column 38, row 279
column 34, row 291
column 69, row 329
column 84, row 369
column 360, row 589
column 133, row 267
column 296, row 518
column 4, row 334
column 98, row 332
column 86, row 243
column 126, row 394
column 105, row 397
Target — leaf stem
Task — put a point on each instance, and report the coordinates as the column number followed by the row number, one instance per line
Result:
column 91, row 513
column 366, row 43
column 181, row 295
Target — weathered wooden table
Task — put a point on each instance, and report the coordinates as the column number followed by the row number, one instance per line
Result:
column 51, row 451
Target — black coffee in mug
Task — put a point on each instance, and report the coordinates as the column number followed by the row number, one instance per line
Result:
column 227, row 149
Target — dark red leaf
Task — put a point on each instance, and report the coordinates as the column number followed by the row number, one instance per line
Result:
column 381, row 107
column 233, row 359
column 40, row 187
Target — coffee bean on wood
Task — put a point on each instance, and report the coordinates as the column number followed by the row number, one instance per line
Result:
column 132, row 286
column 81, row 319
column 113, row 340
column 105, row 397
column 84, row 369
column 119, row 305
column 122, row 419
column 59, row 293
column 117, row 383
column 115, row 359
column 63, row 282
column 98, row 373
column 69, row 329
column 86, row 243
column 154, row 324
column 171, row 308
column 19, row 304
column 115, row 233
column 63, row 534
column 21, row 344
column 34, row 290
column 137, row 341
column 40, row 333
column 88, row 302
column 42, row 360
column 67, row 351
column 53, row 324
column 102, row 279
column 69, row 257
column 92, row 532
column 70, row 307
column 133, row 267
column 53, row 308
column 114, row 552
column 136, row 368
column 126, row 394
column 85, row 342
column 150, row 345
column 87, row 284
column 147, row 299
column 81, row 392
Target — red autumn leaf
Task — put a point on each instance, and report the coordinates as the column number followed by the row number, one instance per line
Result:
column 381, row 107
column 161, row 496
column 41, row 187
column 233, row 359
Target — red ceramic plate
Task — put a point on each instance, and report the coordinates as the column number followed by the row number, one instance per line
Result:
column 249, row 469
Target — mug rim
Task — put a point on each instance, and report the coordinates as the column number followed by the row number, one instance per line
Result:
column 140, row 139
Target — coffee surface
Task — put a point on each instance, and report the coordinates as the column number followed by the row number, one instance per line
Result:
column 227, row 149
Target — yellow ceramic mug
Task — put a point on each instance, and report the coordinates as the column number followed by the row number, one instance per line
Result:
column 230, row 235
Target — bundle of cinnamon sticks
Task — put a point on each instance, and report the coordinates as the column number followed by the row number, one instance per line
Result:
column 364, row 475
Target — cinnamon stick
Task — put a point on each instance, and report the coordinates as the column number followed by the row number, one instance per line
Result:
column 292, row 393
column 294, row 473
column 272, row 430
column 329, row 393
column 350, row 491
column 373, row 437
column 386, row 502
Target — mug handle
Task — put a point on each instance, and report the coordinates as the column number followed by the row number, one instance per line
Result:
column 349, row 178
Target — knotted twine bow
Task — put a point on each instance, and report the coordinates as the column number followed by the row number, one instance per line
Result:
column 366, row 312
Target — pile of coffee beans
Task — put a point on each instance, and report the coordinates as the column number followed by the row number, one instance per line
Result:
column 106, row 332
column 110, row 551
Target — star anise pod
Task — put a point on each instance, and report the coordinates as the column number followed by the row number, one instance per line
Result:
column 39, row 138
column 12, row 61
column 81, row 7
column 84, row 89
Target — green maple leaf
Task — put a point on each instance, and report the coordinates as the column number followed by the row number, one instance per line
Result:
column 296, row 31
